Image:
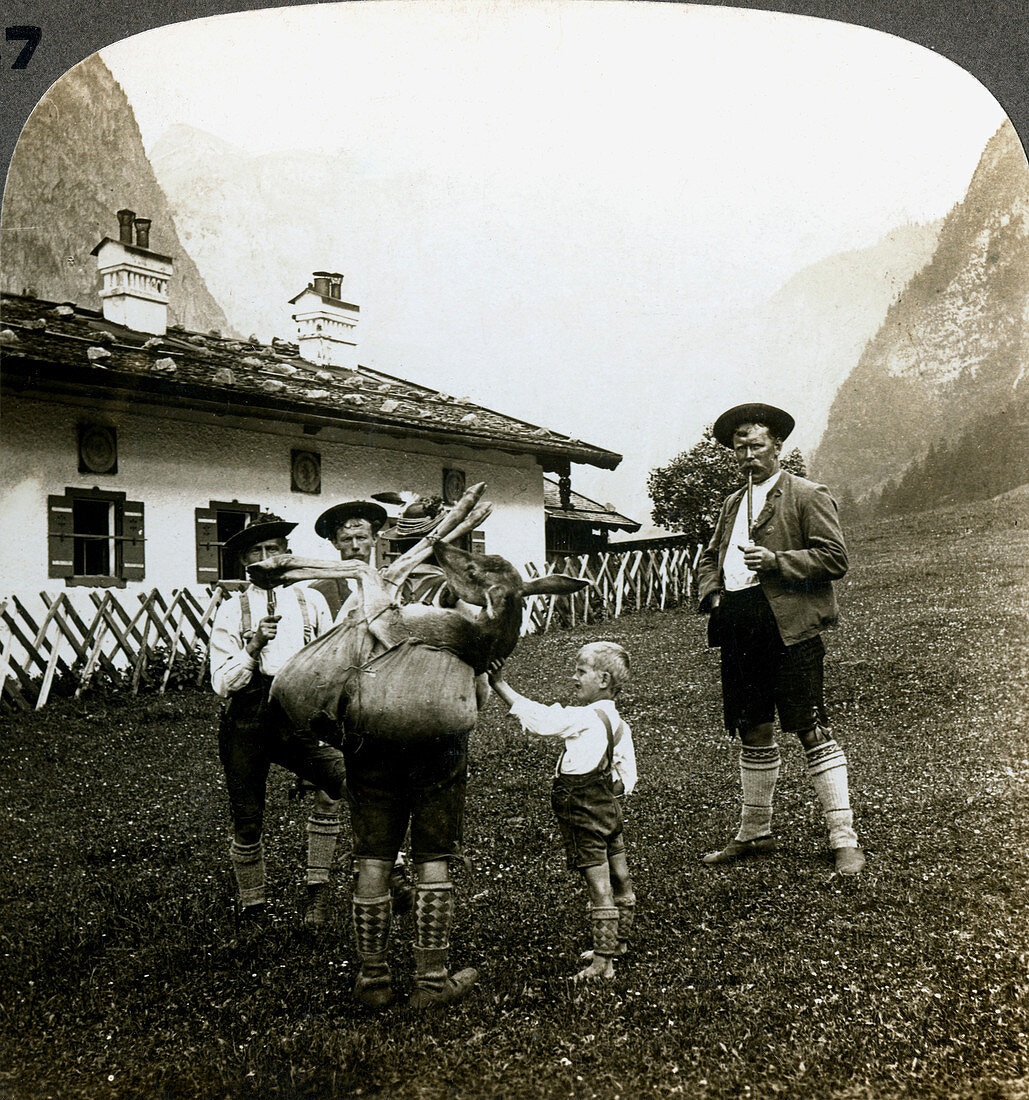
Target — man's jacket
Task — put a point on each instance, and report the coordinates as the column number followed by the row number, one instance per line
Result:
column 800, row 525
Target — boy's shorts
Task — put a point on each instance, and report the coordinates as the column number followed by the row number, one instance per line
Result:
column 393, row 784
column 589, row 817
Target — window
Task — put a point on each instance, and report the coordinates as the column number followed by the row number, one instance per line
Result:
column 215, row 525
column 95, row 538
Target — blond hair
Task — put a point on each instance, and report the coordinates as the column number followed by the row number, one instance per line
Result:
column 609, row 657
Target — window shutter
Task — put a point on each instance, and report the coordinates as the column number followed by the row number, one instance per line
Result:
column 133, row 544
column 60, row 536
column 206, row 520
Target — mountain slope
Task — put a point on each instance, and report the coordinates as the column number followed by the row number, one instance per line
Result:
column 257, row 225
column 953, row 347
column 79, row 160
column 810, row 334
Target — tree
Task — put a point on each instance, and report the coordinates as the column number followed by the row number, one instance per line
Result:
column 688, row 492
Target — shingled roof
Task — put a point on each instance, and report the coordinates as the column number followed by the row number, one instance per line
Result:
column 583, row 510
column 57, row 348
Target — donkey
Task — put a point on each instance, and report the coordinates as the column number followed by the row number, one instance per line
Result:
column 409, row 671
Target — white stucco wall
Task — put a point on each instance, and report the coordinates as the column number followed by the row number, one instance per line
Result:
column 175, row 465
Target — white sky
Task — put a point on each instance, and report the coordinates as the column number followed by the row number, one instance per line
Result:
column 585, row 184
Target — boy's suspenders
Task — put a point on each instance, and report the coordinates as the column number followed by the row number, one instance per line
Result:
column 608, row 760
column 246, row 619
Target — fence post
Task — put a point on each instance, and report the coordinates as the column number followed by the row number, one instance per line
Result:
column 216, row 598
column 174, row 648
column 51, row 665
column 5, row 648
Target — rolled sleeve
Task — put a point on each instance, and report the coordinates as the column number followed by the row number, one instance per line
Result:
column 624, row 763
column 231, row 666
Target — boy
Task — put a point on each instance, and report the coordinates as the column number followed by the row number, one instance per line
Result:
column 597, row 765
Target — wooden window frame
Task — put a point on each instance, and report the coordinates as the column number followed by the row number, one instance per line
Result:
column 207, row 540
column 127, row 536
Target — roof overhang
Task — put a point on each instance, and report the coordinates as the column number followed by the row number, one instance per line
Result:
column 27, row 374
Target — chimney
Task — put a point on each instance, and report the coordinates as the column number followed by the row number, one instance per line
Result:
column 326, row 325
column 142, row 232
column 125, row 225
column 134, row 290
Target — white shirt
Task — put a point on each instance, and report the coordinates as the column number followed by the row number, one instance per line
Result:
column 231, row 666
column 737, row 575
column 584, row 735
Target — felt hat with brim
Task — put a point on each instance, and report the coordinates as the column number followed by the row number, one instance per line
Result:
column 333, row 518
column 778, row 422
column 263, row 529
column 417, row 519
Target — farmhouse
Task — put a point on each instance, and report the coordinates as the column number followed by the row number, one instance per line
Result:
column 132, row 452
column 578, row 525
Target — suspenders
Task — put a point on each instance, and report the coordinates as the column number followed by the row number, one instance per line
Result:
column 608, row 759
column 246, row 618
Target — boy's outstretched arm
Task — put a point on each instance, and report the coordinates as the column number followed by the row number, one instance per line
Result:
column 495, row 673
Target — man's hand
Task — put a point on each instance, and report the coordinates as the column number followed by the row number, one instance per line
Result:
column 267, row 628
column 758, row 559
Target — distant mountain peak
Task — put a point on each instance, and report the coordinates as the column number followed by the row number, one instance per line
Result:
column 954, row 344
column 64, row 189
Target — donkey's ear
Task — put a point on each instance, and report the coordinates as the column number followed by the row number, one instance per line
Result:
column 553, row 584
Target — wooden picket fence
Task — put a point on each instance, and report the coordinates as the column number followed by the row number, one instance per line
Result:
column 631, row 581
column 78, row 632
column 136, row 636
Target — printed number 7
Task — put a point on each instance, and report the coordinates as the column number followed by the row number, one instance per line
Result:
column 30, row 36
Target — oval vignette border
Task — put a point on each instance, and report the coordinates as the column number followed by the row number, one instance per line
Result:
column 992, row 46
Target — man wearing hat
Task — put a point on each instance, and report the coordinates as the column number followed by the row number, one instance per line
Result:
column 351, row 527
column 765, row 579
column 426, row 582
column 254, row 633
column 394, row 788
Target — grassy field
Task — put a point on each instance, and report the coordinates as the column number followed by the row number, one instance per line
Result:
column 121, row 976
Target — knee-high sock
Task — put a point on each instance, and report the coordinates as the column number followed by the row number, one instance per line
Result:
column 371, row 926
column 759, row 772
column 248, row 866
column 433, row 917
column 322, row 833
column 605, row 931
column 626, row 904
column 827, row 766
column 371, row 935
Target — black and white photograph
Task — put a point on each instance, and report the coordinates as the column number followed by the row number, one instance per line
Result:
column 655, row 376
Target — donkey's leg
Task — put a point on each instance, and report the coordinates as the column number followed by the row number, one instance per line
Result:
column 379, row 607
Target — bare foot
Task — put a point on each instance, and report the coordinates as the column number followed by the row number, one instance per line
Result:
column 602, row 968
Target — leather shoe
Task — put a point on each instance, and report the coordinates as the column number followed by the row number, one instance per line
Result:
column 455, row 988
column 740, row 849
column 849, row 861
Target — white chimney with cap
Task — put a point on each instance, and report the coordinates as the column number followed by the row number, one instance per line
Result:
column 134, row 290
column 326, row 325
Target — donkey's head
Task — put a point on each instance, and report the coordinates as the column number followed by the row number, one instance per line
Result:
column 492, row 583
